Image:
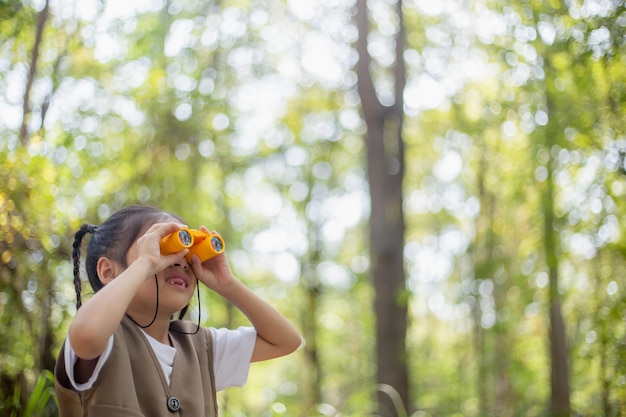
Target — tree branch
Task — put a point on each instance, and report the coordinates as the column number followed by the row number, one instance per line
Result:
column 371, row 106
column 26, row 110
column 400, row 67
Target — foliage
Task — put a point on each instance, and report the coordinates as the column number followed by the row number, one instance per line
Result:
column 41, row 402
column 244, row 116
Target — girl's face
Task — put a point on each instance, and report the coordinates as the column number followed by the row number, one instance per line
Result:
column 176, row 286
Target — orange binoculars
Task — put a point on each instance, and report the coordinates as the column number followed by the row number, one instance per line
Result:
column 204, row 244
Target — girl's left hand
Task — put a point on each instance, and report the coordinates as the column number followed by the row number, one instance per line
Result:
column 215, row 272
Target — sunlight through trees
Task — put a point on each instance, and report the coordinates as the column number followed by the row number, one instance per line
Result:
column 432, row 191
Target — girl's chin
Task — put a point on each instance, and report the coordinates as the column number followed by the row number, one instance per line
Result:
column 177, row 307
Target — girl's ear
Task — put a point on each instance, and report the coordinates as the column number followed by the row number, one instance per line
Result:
column 107, row 270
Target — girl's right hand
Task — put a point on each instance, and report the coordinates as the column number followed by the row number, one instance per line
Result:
column 149, row 248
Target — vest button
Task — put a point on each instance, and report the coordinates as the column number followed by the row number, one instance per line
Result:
column 173, row 404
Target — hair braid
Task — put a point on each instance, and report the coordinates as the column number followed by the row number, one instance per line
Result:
column 78, row 239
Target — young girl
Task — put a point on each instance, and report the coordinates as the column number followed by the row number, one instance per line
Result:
column 125, row 356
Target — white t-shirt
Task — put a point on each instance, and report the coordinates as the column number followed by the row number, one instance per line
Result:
column 232, row 352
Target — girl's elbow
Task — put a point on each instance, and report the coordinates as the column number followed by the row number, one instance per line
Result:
column 294, row 344
column 85, row 342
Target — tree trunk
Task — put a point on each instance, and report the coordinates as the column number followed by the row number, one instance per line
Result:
column 385, row 168
column 559, row 381
column 482, row 254
column 311, row 283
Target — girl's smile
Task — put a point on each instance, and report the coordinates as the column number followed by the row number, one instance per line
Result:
column 178, row 281
column 178, row 278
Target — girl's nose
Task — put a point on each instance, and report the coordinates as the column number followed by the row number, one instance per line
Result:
column 182, row 264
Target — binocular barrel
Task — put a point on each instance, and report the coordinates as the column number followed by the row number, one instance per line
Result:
column 205, row 245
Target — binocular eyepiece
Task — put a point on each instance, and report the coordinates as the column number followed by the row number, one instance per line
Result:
column 204, row 244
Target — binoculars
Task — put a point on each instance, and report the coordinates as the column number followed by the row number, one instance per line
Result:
column 204, row 244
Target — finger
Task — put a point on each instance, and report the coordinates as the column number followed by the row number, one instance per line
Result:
column 195, row 261
column 174, row 258
column 196, row 265
column 164, row 229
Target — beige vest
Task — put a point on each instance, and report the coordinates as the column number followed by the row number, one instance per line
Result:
column 132, row 384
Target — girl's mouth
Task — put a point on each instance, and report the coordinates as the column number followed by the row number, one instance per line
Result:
column 178, row 282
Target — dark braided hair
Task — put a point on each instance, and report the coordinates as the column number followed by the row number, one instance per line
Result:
column 112, row 239
column 78, row 238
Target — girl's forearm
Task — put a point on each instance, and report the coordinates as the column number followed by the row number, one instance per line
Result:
column 98, row 318
column 278, row 336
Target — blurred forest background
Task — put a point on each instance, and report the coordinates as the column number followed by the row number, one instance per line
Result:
column 432, row 191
